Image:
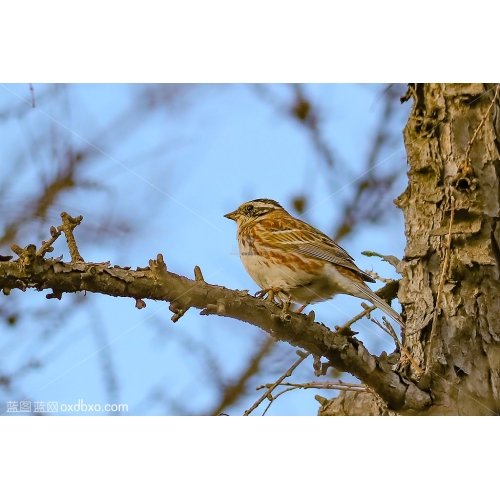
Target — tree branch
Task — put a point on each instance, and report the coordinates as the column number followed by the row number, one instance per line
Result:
column 156, row 283
column 345, row 353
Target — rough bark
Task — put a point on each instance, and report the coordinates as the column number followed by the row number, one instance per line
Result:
column 451, row 209
column 354, row 404
column 462, row 361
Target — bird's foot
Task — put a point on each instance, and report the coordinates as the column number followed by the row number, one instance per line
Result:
column 272, row 294
column 275, row 294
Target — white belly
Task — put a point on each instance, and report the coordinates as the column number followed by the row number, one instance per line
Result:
column 303, row 287
column 268, row 275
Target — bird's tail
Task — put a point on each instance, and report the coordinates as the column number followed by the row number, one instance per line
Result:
column 368, row 294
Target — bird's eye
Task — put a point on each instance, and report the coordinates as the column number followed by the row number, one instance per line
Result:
column 249, row 208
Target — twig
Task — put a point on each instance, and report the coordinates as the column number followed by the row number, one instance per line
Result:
column 390, row 330
column 198, row 274
column 338, row 385
column 341, row 386
column 345, row 328
column 318, row 365
column 273, row 398
column 140, row 304
column 288, row 373
column 377, row 276
column 409, row 94
column 68, row 225
column 47, row 245
column 394, row 261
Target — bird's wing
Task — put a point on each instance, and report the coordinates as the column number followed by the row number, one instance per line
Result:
column 307, row 240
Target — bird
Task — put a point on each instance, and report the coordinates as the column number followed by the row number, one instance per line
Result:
column 292, row 261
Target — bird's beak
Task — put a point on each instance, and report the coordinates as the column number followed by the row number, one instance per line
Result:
column 232, row 215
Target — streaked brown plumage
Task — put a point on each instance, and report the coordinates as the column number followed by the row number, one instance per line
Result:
column 295, row 260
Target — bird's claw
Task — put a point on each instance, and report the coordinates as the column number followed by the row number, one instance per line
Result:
column 273, row 295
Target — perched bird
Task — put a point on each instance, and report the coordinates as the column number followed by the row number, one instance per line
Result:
column 293, row 261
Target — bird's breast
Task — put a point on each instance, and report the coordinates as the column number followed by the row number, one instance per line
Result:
column 276, row 267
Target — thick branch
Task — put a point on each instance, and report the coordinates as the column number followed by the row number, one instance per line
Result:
column 156, row 283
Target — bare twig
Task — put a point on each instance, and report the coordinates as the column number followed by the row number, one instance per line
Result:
column 390, row 330
column 198, row 274
column 341, row 386
column 337, row 385
column 47, row 245
column 394, row 261
column 345, row 328
column 410, row 92
column 288, row 373
column 377, row 276
column 68, row 225
column 140, row 304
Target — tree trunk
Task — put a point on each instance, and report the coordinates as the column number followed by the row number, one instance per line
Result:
column 450, row 287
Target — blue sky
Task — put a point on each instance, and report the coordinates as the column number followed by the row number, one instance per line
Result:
column 172, row 178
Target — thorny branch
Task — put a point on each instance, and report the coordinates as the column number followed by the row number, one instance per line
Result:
column 154, row 282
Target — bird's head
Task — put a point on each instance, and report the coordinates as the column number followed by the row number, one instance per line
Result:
column 253, row 209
